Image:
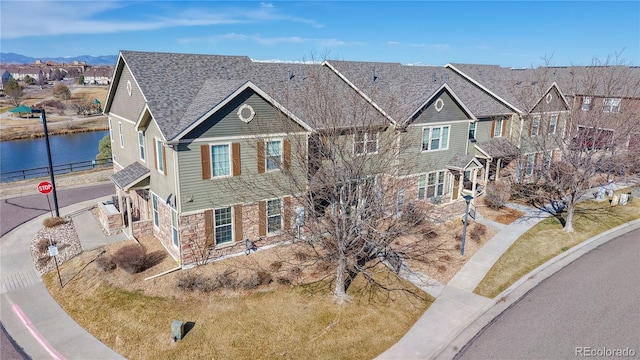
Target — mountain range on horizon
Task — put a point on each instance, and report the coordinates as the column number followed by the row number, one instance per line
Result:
column 13, row 58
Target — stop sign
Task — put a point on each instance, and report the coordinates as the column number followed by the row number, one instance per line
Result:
column 45, row 187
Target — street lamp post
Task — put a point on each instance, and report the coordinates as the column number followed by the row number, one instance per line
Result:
column 43, row 118
column 467, row 199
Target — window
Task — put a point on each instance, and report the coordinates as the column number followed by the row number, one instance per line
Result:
column 548, row 155
column 472, row 130
column 531, row 158
column 223, row 226
column 121, row 135
column 400, row 200
column 220, row 163
column 365, row 142
column 431, row 185
column 141, row 145
column 159, row 156
column 586, row 103
column 274, row 215
column 156, row 214
column 497, row 127
column 110, row 130
column 553, row 124
column 535, row 126
column 611, row 105
column 435, row 138
column 274, row 155
column 174, row 227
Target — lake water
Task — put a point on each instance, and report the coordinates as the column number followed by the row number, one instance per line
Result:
column 32, row 153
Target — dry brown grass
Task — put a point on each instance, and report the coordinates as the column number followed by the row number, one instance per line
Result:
column 133, row 316
column 547, row 239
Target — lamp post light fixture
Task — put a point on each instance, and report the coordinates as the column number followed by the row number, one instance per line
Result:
column 43, row 119
column 467, row 199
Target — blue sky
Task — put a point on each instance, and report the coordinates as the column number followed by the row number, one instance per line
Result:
column 507, row 33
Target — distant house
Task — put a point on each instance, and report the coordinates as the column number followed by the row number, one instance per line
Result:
column 98, row 75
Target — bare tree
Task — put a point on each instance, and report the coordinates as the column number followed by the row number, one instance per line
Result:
column 567, row 150
column 14, row 90
column 344, row 181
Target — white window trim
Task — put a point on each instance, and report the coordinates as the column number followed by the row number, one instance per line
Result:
column 498, row 127
column 441, row 127
column 230, row 147
column 110, row 129
column 473, row 126
column 586, row 103
column 215, row 226
column 154, row 210
column 611, row 108
column 435, row 185
column 365, row 142
column 532, row 163
column 281, row 214
column 120, row 134
column 535, row 129
column 159, row 156
column 555, row 125
column 175, row 236
column 266, row 154
column 142, row 148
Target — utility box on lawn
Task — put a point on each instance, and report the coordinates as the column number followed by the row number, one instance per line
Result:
column 177, row 330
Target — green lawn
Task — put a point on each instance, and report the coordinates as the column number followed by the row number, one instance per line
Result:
column 547, row 239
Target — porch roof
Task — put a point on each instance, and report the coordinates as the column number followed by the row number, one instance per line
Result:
column 463, row 162
column 498, row 148
column 130, row 176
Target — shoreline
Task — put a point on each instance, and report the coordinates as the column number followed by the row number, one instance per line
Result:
column 51, row 132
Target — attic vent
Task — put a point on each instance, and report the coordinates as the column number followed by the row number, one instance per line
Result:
column 129, row 87
column 439, row 105
column 291, row 75
column 548, row 98
column 434, row 77
column 246, row 113
column 374, row 77
column 534, row 82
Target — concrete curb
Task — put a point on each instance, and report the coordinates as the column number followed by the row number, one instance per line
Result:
column 487, row 315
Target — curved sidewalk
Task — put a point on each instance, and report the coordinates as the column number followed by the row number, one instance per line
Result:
column 458, row 314
column 30, row 315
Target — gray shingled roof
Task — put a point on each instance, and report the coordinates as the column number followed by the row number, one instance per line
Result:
column 401, row 89
column 460, row 161
column 130, row 175
column 499, row 148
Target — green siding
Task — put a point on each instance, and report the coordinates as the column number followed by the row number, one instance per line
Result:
column 128, row 107
column 161, row 184
column 450, row 111
column 128, row 154
column 413, row 160
column 247, row 187
column 556, row 103
column 226, row 123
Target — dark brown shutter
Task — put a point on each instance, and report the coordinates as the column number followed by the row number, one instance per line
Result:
column 262, row 218
column 205, row 160
column 286, row 154
column 287, row 213
column 208, row 227
column 493, row 127
column 235, row 156
column 237, row 222
column 164, row 159
column 260, row 153
column 155, row 154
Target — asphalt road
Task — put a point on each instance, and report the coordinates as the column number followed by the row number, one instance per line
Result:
column 591, row 308
column 18, row 210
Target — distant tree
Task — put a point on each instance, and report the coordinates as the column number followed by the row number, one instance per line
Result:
column 57, row 75
column 81, row 80
column 104, row 149
column 61, row 91
column 29, row 80
column 14, row 90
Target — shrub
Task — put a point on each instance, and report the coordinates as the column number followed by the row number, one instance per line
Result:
column 275, row 266
column 189, row 281
column 300, row 256
column 441, row 268
column 498, row 193
column 131, row 258
column 477, row 232
column 226, row 279
column 42, row 245
column 105, row 263
column 250, row 282
column 53, row 221
column 283, row 281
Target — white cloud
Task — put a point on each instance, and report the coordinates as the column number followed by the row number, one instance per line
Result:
column 72, row 17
